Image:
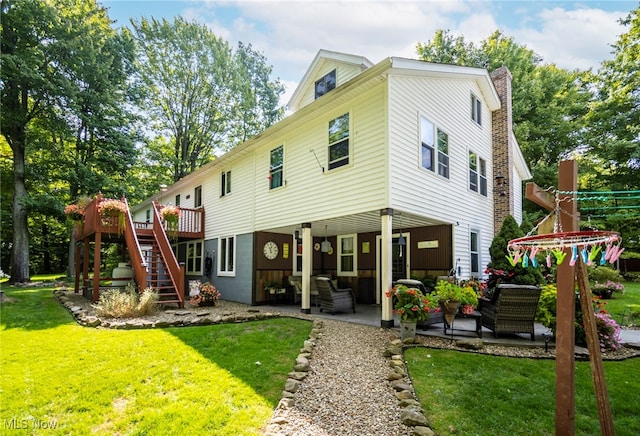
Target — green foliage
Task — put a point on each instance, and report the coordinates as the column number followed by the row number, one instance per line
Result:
column 229, row 96
column 500, row 268
column 115, row 303
column 448, row 291
column 603, row 274
column 411, row 304
column 546, row 312
column 468, row 296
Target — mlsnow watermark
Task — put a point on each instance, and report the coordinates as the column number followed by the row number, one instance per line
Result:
column 29, row 423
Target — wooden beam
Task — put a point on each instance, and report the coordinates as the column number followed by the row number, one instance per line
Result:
column 539, row 196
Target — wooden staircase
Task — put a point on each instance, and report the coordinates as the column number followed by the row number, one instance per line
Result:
column 158, row 276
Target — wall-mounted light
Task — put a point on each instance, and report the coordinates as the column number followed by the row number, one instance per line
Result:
column 501, row 184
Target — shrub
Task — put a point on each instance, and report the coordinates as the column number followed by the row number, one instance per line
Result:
column 603, row 274
column 608, row 329
column 499, row 268
column 115, row 303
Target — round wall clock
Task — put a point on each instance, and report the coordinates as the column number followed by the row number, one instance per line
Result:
column 270, row 250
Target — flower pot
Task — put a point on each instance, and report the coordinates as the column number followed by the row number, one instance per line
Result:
column 450, row 309
column 408, row 329
column 468, row 309
column 123, row 272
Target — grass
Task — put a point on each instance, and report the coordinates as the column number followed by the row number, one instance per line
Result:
column 217, row 380
column 625, row 308
column 476, row 394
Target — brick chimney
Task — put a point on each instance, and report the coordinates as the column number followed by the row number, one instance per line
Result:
column 502, row 139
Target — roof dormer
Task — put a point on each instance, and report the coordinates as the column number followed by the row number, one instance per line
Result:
column 328, row 70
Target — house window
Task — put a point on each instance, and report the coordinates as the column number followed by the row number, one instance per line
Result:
column 194, row 258
column 347, row 255
column 483, row 177
column 473, row 171
column 477, row 174
column 474, row 253
column 275, row 167
column 178, row 200
column 227, row 256
column 326, row 84
column 148, row 215
column 339, row 141
column 427, row 147
column 476, row 109
column 197, row 194
column 225, row 183
column 443, row 154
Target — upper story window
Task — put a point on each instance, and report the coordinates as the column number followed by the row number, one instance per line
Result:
column 178, row 200
column 326, row 84
column 443, row 154
column 276, row 165
column 339, row 141
column 225, row 183
column 434, row 155
column 476, row 109
column 347, row 255
column 197, row 194
column 477, row 174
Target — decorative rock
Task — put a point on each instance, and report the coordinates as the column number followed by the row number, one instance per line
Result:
column 404, row 395
column 413, row 418
column 394, row 376
column 298, row 375
column 92, row 321
column 302, row 364
column 392, row 349
column 471, row 344
column 286, row 403
column 292, row 385
column 422, row 431
column 400, row 385
column 396, row 363
column 409, row 402
column 287, row 394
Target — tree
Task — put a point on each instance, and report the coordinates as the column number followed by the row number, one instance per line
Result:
column 500, row 268
column 61, row 67
column 199, row 93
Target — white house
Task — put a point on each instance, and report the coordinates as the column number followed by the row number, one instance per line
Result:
column 373, row 156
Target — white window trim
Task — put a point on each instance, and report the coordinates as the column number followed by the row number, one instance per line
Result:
column 476, row 115
column 231, row 273
column 349, row 139
column 477, row 253
column 353, row 273
column 198, row 267
column 435, row 165
column 479, row 175
column 281, row 169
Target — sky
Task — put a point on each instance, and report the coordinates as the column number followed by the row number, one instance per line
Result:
column 570, row 34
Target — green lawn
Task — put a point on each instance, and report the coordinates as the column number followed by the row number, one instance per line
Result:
column 217, row 380
column 476, row 394
column 625, row 308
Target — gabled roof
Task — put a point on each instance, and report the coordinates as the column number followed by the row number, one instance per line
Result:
column 323, row 57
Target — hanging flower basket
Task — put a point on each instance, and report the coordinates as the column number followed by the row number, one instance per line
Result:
column 111, row 210
column 171, row 216
column 75, row 212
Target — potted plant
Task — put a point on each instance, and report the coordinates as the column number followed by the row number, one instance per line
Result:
column 412, row 306
column 468, row 299
column 449, row 295
column 208, row 295
column 116, row 209
column 605, row 290
column 171, row 215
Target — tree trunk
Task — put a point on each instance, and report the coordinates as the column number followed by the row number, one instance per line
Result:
column 20, row 249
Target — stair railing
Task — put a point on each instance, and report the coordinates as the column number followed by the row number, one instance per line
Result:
column 138, row 262
column 175, row 270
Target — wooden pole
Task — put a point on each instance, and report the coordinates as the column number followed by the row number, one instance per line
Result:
column 565, row 306
column 595, row 356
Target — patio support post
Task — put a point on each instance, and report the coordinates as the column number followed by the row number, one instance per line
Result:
column 307, row 267
column 386, row 273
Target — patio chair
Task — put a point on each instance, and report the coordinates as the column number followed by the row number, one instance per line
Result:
column 335, row 300
column 512, row 309
column 435, row 316
column 295, row 282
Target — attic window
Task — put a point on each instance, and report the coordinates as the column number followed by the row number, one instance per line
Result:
column 326, row 84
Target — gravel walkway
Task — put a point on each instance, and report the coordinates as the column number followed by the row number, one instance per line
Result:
column 346, row 391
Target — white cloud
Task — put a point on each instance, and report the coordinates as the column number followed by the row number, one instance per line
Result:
column 572, row 39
